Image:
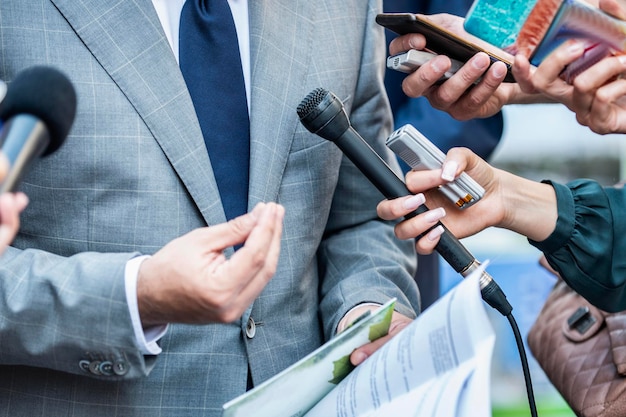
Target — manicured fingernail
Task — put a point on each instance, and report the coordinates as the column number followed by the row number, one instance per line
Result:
column 434, row 215
column 414, row 201
column 575, row 48
column 435, row 233
column 622, row 59
column 449, row 170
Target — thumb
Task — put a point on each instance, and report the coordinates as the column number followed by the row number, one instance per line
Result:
column 234, row 231
column 613, row 8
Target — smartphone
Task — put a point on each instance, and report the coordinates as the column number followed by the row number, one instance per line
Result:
column 438, row 39
column 420, row 153
column 411, row 60
column 536, row 27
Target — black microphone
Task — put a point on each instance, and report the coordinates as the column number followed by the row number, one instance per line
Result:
column 38, row 111
column 323, row 114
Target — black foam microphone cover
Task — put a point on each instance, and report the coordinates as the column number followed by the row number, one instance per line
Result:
column 47, row 94
column 37, row 114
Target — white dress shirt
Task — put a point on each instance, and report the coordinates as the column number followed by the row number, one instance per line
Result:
column 169, row 14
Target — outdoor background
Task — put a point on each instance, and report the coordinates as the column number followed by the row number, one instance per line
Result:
column 539, row 142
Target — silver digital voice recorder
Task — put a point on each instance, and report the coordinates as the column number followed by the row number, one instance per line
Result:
column 420, row 153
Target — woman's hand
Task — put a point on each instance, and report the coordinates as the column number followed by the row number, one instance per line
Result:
column 596, row 95
column 515, row 203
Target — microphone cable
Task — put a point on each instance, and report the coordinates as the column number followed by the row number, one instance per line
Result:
column 525, row 368
column 323, row 114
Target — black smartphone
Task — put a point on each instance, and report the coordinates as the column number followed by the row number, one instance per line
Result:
column 438, row 39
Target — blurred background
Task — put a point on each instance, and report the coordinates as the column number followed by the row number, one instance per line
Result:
column 539, row 142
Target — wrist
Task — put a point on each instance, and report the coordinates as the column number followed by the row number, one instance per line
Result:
column 520, row 97
column 530, row 208
column 354, row 314
column 147, row 301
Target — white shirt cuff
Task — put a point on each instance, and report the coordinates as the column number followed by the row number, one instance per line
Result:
column 347, row 319
column 147, row 338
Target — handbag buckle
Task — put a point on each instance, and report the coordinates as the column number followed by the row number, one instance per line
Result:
column 581, row 320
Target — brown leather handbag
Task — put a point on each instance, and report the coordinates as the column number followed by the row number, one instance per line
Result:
column 582, row 350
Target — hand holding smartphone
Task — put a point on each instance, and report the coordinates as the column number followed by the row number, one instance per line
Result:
column 536, row 28
column 439, row 40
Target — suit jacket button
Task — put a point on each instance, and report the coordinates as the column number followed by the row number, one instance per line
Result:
column 84, row 365
column 106, row 368
column 94, row 367
column 250, row 328
column 120, row 368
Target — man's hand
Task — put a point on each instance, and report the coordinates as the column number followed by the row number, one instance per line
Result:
column 476, row 90
column 190, row 281
column 398, row 322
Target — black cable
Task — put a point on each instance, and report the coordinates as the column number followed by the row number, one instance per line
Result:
column 495, row 297
column 525, row 368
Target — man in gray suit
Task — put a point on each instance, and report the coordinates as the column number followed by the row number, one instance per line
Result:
column 115, row 298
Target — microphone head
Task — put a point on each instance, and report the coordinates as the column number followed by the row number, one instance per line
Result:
column 319, row 112
column 47, row 94
column 3, row 90
column 312, row 101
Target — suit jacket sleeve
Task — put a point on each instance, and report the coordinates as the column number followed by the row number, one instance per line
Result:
column 51, row 313
column 360, row 259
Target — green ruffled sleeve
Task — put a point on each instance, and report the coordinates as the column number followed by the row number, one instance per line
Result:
column 588, row 245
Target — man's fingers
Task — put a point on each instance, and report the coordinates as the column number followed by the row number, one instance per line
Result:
column 398, row 323
column 253, row 265
column 233, row 232
column 406, row 42
column 450, row 91
column 613, row 8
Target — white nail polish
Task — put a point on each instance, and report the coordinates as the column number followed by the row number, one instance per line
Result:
column 414, row 201
column 434, row 215
column 435, row 233
column 449, row 170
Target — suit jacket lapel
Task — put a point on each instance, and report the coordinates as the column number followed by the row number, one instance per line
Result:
column 276, row 42
column 128, row 41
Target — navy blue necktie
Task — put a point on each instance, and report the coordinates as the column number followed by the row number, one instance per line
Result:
column 211, row 65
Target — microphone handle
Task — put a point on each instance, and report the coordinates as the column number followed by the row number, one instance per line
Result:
column 23, row 138
column 388, row 183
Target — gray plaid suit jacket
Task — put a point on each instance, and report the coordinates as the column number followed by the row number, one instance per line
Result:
column 134, row 174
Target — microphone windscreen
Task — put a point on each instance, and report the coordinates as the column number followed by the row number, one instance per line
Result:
column 311, row 101
column 3, row 90
column 47, row 94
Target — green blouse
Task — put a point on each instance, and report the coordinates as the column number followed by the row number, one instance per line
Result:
column 588, row 245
